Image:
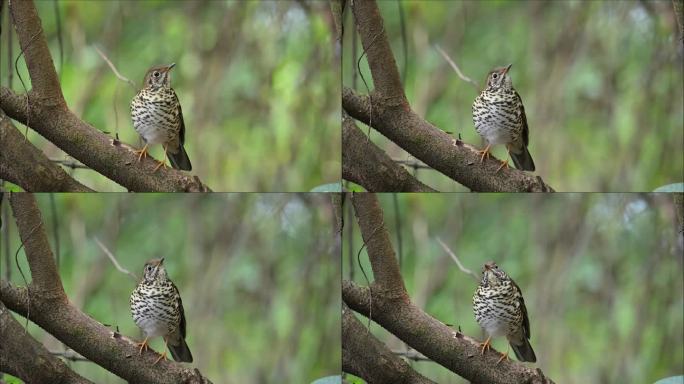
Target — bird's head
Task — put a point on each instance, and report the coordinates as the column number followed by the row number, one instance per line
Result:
column 154, row 270
column 492, row 275
column 498, row 78
column 159, row 77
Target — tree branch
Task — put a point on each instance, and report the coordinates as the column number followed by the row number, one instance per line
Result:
column 390, row 114
column 93, row 148
column 54, row 313
column 437, row 149
column 44, row 110
column 369, row 166
column 42, row 174
column 22, row 356
column 365, row 356
column 398, row 315
column 380, row 252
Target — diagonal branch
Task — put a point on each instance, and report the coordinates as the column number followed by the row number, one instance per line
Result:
column 42, row 174
column 22, row 356
column 365, row 164
column 365, row 356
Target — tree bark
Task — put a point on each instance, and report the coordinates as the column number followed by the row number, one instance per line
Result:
column 365, row 164
column 42, row 174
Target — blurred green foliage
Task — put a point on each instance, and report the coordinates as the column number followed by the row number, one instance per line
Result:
column 258, row 274
column 258, row 81
column 601, row 82
column 601, row 275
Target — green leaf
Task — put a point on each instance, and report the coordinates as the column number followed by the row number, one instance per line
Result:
column 332, row 187
column 328, row 380
column 676, row 187
column 671, row 380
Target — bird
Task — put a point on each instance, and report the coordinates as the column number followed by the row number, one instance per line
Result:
column 499, row 118
column 157, row 309
column 500, row 310
column 158, row 118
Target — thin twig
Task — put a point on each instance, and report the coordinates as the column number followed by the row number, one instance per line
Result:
column 114, row 261
column 456, row 68
column 458, row 262
column 116, row 72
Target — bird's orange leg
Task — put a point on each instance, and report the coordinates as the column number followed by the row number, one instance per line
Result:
column 504, row 355
column 162, row 355
column 162, row 162
column 485, row 345
column 504, row 164
column 142, row 345
column 142, row 152
column 484, row 152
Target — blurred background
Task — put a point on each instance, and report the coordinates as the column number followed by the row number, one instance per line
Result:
column 258, row 81
column 602, row 276
column 259, row 275
column 601, row 82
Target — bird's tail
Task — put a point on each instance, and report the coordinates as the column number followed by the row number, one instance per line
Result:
column 180, row 160
column 524, row 351
column 181, row 352
column 523, row 160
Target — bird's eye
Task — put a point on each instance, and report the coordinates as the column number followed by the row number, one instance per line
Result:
column 155, row 74
column 494, row 76
column 148, row 268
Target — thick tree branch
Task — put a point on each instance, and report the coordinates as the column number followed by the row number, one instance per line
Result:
column 437, row 149
column 44, row 80
column 95, row 149
column 380, row 252
column 22, row 356
column 44, row 110
column 396, row 313
column 24, row 165
column 386, row 78
column 369, row 166
column 365, row 356
column 392, row 116
column 46, row 305
column 44, row 276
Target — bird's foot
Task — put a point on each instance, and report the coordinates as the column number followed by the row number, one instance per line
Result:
column 141, row 153
column 161, row 356
column 485, row 345
column 484, row 153
column 504, row 164
column 142, row 346
column 503, row 356
column 160, row 164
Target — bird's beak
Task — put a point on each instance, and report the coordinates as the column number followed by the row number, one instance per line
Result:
column 174, row 64
column 507, row 68
column 161, row 261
